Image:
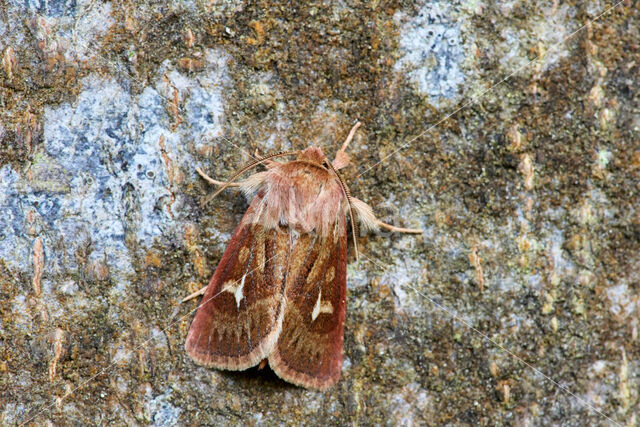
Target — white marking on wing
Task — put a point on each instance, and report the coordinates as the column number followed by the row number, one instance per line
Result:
column 321, row 307
column 236, row 289
column 316, row 308
column 238, row 292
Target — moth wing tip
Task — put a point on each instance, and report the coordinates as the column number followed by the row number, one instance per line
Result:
column 231, row 363
column 284, row 372
column 224, row 363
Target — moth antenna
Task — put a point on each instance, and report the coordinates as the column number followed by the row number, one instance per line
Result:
column 246, row 168
column 345, row 190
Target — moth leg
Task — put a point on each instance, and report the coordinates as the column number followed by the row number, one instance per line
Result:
column 193, row 295
column 371, row 223
column 342, row 158
column 352, row 132
column 398, row 229
column 215, row 181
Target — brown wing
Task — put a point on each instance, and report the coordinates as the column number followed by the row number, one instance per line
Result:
column 239, row 318
column 309, row 350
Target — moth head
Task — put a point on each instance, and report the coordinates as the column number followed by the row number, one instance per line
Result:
column 313, row 155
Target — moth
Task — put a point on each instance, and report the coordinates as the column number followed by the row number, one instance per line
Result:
column 278, row 294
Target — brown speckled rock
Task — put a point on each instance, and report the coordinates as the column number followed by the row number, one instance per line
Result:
column 510, row 133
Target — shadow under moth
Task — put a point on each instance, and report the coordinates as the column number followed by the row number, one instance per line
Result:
column 278, row 294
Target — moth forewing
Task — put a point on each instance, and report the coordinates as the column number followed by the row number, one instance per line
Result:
column 240, row 315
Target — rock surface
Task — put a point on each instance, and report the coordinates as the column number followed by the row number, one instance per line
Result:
column 509, row 133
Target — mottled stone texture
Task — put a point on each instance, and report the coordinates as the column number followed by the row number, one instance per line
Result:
column 509, row 131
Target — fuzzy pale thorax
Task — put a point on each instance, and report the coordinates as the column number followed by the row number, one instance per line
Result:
column 302, row 194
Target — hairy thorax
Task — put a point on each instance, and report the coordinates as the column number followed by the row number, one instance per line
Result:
column 302, row 194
